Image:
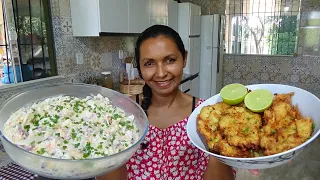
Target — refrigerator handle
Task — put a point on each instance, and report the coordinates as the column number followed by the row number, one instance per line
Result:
column 218, row 62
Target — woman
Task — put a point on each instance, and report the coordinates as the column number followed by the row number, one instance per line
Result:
column 166, row 152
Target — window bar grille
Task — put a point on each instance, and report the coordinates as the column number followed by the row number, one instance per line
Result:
column 274, row 36
column 5, row 39
column 240, row 33
column 252, row 5
column 9, row 44
column 16, row 21
column 264, row 23
column 279, row 28
column 31, row 40
column 49, row 36
column 289, row 42
column 257, row 35
column 42, row 39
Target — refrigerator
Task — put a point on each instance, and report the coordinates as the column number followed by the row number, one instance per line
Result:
column 212, row 50
column 189, row 29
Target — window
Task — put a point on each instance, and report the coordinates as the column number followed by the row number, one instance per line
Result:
column 262, row 26
column 26, row 41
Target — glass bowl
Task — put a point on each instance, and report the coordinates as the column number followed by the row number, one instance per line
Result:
column 63, row 168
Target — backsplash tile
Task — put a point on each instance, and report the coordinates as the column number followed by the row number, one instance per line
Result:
column 65, row 10
column 56, row 26
column 66, row 26
column 55, row 9
column 99, row 52
column 302, row 71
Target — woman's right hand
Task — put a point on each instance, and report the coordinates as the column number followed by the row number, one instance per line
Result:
column 257, row 171
column 254, row 171
column 118, row 174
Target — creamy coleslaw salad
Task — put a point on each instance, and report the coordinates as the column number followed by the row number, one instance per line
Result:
column 68, row 127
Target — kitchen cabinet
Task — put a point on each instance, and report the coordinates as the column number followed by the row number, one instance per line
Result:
column 91, row 18
column 173, row 14
column 113, row 15
column 138, row 15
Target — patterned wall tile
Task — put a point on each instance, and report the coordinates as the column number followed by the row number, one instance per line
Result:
column 65, row 10
column 59, row 47
column 107, row 60
column 55, row 8
column 302, row 71
column 66, row 25
column 95, row 61
column 56, row 27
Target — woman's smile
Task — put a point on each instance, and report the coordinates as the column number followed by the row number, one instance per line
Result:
column 163, row 84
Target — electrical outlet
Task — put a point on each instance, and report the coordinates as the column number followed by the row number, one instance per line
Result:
column 79, row 58
column 120, row 54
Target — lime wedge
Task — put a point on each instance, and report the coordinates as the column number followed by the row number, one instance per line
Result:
column 258, row 100
column 233, row 94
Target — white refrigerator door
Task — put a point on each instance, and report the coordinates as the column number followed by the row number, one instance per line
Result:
column 214, row 69
column 187, row 45
column 219, row 67
column 216, row 30
column 173, row 14
column 195, row 20
column 195, row 55
column 195, row 87
column 206, row 56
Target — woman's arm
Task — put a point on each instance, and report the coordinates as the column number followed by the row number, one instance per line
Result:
column 216, row 170
column 118, row 174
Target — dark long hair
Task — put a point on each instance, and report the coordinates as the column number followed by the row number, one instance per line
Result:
column 153, row 32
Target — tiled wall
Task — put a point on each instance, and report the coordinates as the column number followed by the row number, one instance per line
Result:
column 100, row 53
column 302, row 71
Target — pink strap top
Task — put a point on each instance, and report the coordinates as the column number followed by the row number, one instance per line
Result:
column 168, row 154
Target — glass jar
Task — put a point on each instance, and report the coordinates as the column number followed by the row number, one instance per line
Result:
column 106, row 80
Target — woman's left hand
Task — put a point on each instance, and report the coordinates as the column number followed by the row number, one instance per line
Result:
column 218, row 170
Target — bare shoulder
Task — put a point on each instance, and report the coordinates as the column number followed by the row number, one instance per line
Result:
column 190, row 98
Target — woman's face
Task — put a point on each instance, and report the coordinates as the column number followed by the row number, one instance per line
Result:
column 161, row 64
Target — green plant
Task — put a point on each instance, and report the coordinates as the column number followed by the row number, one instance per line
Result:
column 282, row 37
column 34, row 26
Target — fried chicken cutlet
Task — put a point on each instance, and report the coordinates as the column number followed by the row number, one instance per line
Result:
column 229, row 130
column 235, row 131
column 284, row 127
column 208, row 123
column 241, row 127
